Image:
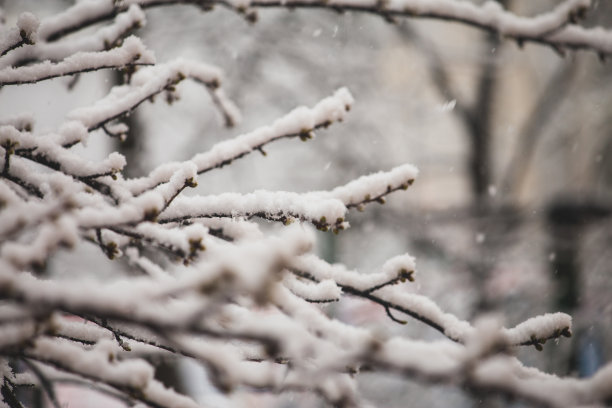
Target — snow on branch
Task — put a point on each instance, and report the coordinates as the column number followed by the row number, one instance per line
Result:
column 275, row 206
column 434, row 362
column 131, row 52
column 556, row 28
column 46, row 152
column 379, row 288
column 490, row 16
column 325, row 210
column 374, row 187
column 24, row 33
column 148, row 82
column 193, row 276
column 300, row 122
column 84, row 13
column 104, row 38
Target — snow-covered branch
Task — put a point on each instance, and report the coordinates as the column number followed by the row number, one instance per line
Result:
column 24, row 33
column 131, row 52
column 104, row 38
column 301, row 122
column 378, row 288
column 196, row 276
column 148, row 82
column 556, row 28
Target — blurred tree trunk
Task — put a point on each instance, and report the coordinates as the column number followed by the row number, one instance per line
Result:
column 479, row 123
column 132, row 147
column 568, row 219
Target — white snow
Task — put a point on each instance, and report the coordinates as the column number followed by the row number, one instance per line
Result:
column 131, row 51
column 271, row 204
column 374, row 185
column 228, row 290
column 26, row 30
column 330, row 109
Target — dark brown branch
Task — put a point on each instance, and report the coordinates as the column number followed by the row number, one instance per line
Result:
column 218, row 232
column 393, row 281
column 28, row 187
column 7, row 159
column 227, row 118
column 89, row 180
column 118, row 334
column 388, row 311
column 177, row 252
column 23, row 41
column 282, row 216
column 76, row 340
column 7, row 390
column 388, row 305
column 188, row 183
column 321, row 300
column 110, row 133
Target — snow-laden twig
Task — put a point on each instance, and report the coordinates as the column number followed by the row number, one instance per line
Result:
column 556, row 28
column 227, row 293
column 325, row 210
column 104, row 38
column 378, row 288
column 489, row 16
column 148, row 82
column 47, row 152
column 131, row 52
column 275, row 206
column 24, row 33
column 300, row 122
column 374, row 187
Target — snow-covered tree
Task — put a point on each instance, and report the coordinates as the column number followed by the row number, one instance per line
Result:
column 199, row 276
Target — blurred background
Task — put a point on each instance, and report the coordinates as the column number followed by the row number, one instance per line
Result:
column 510, row 214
